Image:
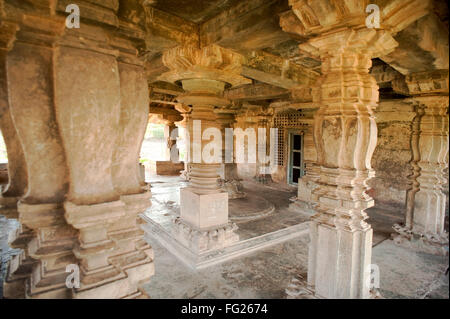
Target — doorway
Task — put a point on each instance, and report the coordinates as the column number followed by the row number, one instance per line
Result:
column 295, row 167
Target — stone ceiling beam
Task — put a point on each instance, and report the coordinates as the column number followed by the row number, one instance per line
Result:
column 251, row 25
column 254, row 92
column 274, row 70
column 166, row 31
column 422, row 46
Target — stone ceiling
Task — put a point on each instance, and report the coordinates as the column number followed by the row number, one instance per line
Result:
column 196, row 11
column 252, row 28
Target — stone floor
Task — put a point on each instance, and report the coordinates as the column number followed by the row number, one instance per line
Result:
column 266, row 273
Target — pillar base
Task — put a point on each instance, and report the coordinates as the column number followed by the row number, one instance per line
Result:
column 432, row 244
column 299, row 289
column 264, row 179
column 18, row 271
column 301, row 206
column 304, row 202
column 115, row 258
column 200, row 241
column 339, row 261
column 203, row 211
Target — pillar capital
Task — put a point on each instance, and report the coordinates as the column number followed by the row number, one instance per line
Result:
column 360, row 44
column 318, row 17
column 208, row 63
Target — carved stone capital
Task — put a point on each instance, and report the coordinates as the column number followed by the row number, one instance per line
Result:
column 316, row 17
column 369, row 42
column 211, row 62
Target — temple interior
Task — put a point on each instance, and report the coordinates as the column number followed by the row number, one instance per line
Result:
column 281, row 149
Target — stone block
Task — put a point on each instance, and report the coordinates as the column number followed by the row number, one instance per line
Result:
column 166, row 168
column 203, row 211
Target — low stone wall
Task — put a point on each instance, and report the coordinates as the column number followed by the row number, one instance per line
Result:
column 167, row 168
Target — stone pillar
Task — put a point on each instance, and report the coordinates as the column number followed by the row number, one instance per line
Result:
column 229, row 180
column 425, row 203
column 106, row 191
column 263, row 172
column 33, row 114
column 392, row 156
column 203, row 224
column 20, row 265
column 171, row 134
column 345, row 135
column 79, row 103
column 184, row 112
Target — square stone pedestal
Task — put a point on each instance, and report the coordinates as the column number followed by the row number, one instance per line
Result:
column 203, row 211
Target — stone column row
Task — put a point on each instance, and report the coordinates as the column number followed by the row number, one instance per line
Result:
column 425, row 202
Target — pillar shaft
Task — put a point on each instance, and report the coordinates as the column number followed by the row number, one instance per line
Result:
column 20, row 265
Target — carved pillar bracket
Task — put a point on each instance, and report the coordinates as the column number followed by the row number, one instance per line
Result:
column 204, row 73
column 424, row 226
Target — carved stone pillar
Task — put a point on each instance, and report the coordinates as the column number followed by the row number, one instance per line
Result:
column 20, row 265
column 425, row 204
column 345, row 135
column 79, row 103
column 171, row 134
column 106, row 190
column 204, row 73
column 32, row 110
column 229, row 180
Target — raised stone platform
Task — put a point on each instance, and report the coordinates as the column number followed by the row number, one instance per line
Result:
column 250, row 208
column 261, row 222
column 155, row 231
